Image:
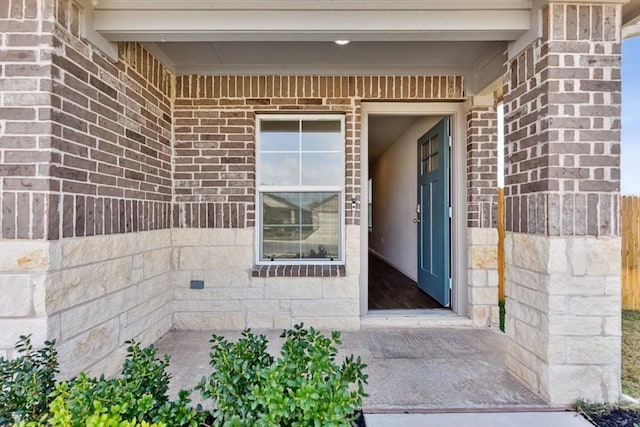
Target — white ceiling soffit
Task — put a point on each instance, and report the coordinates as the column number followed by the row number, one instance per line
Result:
column 402, row 58
column 631, row 20
column 311, row 20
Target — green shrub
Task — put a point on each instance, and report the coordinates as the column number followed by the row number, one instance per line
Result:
column 139, row 393
column 26, row 381
column 303, row 387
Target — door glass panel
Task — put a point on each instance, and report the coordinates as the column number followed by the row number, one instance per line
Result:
column 279, row 135
column 434, row 162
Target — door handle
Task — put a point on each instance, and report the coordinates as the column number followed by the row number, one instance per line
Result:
column 416, row 220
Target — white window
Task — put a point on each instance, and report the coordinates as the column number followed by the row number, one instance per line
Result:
column 300, row 184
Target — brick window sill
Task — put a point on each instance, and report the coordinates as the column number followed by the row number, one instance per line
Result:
column 297, row 270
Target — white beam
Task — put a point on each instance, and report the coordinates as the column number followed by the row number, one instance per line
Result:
column 305, row 25
column 217, row 5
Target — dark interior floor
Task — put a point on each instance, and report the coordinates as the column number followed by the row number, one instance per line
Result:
column 390, row 289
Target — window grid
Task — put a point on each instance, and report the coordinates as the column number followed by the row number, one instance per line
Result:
column 263, row 189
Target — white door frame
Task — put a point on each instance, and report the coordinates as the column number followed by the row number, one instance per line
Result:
column 457, row 112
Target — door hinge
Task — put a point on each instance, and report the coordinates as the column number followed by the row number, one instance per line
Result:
column 450, row 283
column 450, row 211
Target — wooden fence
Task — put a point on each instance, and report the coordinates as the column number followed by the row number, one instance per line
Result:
column 630, row 217
column 630, row 224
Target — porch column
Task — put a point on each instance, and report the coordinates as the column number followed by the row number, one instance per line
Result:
column 562, row 132
column 482, row 165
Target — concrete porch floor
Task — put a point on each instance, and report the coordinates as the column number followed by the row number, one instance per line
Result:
column 409, row 370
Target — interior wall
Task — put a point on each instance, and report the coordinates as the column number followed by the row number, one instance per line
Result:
column 395, row 187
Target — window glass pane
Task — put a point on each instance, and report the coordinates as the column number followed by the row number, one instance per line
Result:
column 424, row 151
column 279, row 135
column 322, row 169
column 279, row 169
column 434, row 162
column 281, row 242
column 321, row 136
column 301, row 225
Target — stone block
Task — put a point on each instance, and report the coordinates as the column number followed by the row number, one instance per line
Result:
column 340, row 287
column 484, row 295
column 483, row 257
column 160, row 319
column 250, row 305
column 568, row 325
column 23, row 256
column 593, row 350
column 88, row 250
column 147, row 306
column 478, row 278
column 482, row 237
column 325, row 307
column 595, row 306
column 232, row 321
column 577, row 250
column 111, row 365
column 198, row 258
column 565, row 284
column 11, row 329
column 282, row 320
column 17, row 295
column 529, row 252
column 215, row 294
column 260, row 320
column 568, row 383
column 293, row 288
column 203, row 237
column 154, row 239
column 612, row 326
column 199, row 305
column 227, row 278
column 88, row 348
column 157, row 262
column 74, row 286
column 604, row 256
column 86, row 316
column 342, row 323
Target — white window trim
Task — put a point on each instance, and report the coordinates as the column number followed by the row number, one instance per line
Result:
column 339, row 188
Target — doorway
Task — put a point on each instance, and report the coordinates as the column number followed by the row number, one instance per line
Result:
column 409, row 227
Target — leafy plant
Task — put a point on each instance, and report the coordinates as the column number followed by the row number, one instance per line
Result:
column 303, row 387
column 27, row 381
column 139, row 393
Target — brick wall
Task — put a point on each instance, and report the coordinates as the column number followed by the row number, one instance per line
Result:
column 482, row 167
column 215, row 133
column 86, row 143
column 562, row 106
column 25, row 111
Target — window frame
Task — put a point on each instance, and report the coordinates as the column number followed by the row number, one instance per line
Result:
column 336, row 188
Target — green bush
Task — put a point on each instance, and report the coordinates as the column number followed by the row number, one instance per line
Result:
column 303, row 387
column 139, row 393
column 27, row 381
column 30, row 397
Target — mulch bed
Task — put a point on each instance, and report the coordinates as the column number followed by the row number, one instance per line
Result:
column 614, row 417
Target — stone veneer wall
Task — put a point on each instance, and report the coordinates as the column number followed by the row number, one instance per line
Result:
column 482, row 202
column 562, row 115
column 85, row 173
column 214, row 215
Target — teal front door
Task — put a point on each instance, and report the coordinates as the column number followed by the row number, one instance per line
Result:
column 433, row 213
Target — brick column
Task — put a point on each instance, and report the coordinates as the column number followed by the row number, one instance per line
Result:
column 482, row 167
column 562, row 117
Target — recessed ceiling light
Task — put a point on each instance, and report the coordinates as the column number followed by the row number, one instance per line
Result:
column 341, row 42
